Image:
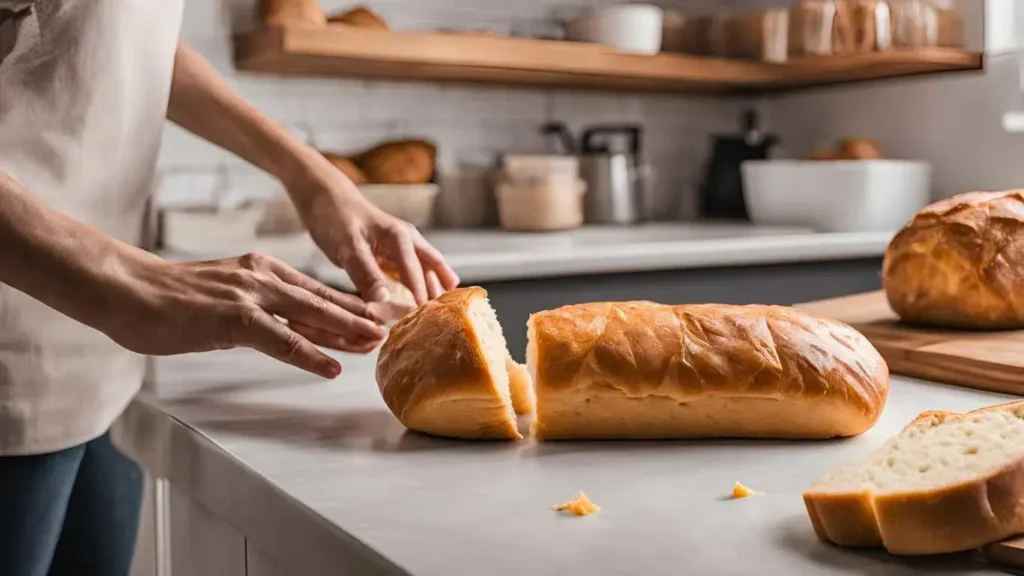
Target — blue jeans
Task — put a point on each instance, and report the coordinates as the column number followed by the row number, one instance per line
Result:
column 70, row 512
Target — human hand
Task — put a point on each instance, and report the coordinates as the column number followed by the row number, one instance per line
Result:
column 368, row 243
column 176, row 308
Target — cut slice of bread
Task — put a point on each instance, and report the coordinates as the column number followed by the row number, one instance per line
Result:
column 948, row 482
column 444, row 369
column 521, row 386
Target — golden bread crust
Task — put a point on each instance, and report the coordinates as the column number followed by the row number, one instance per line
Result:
column 960, row 263
column 434, row 377
column 645, row 370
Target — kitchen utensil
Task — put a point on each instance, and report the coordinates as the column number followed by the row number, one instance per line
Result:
column 628, row 27
column 836, row 196
column 614, row 177
column 541, row 206
column 466, row 198
column 559, row 139
column 984, row 360
column 721, row 192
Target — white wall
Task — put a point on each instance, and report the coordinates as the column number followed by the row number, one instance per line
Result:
column 468, row 123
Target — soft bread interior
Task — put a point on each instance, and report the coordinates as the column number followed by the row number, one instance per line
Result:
column 521, row 386
column 933, row 456
column 488, row 332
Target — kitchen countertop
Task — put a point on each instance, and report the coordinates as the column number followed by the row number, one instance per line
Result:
column 321, row 478
column 495, row 255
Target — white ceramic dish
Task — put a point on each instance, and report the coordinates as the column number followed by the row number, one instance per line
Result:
column 628, row 27
column 836, row 196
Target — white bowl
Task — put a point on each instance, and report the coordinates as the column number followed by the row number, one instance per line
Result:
column 836, row 196
column 413, row 203
column 628, row 27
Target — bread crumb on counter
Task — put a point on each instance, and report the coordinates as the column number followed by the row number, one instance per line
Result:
column 580, row 506
column 741, row 491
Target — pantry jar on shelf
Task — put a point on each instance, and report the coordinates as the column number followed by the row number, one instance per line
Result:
column 926, row 23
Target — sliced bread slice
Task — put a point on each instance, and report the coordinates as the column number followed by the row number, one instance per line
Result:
column 948, row 482
column 444, row 369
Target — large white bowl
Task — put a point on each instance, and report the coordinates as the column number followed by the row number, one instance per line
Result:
column 836, row 196
column 628, row 27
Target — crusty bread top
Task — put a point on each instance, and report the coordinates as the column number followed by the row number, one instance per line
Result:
column 690, row 351
column 408, row 378
column 960, row 262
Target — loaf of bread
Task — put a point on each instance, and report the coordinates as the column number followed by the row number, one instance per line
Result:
column 443, row 371
column 399, row 162
column 960, row 263
column 361, row 17
column 347, row 167
column 645, row 370
column 947, row 483
column 851, row 149
column 292, row 12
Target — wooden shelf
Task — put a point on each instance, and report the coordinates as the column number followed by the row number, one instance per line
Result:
column 339, row 50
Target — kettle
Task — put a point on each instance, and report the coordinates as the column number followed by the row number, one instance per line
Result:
column 615, row 176
column 721, row 191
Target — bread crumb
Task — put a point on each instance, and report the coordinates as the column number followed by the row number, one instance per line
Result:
column 581, row 506
column 741, row 491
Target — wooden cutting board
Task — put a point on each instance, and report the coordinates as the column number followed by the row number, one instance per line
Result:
column 1007, row 554
column 984, row 360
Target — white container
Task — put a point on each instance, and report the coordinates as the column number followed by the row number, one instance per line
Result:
column 836, row 196
column 413, row 203
column 540, row 169
column 540, row 208
column 628, row 27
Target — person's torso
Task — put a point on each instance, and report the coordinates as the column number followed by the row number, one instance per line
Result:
column 83, row 98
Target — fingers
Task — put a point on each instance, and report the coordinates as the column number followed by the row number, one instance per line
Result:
column 410, row 271
column 366, row 274
column 433, row 261
column 273, row 338
column 296, row 304
column 334, row 341
column 434, row 288
column 348, row 302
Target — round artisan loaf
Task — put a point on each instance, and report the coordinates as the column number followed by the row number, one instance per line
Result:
column 642, row 370
column 443, row 369
column 960, row 263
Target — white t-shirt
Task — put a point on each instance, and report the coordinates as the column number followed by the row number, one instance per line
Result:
column 83, row 100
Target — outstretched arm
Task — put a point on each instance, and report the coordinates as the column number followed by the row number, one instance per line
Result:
column 155, row 307
column 352, row 233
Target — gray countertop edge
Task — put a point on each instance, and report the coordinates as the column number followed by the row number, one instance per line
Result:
column 521, row 262
column 200, row 468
